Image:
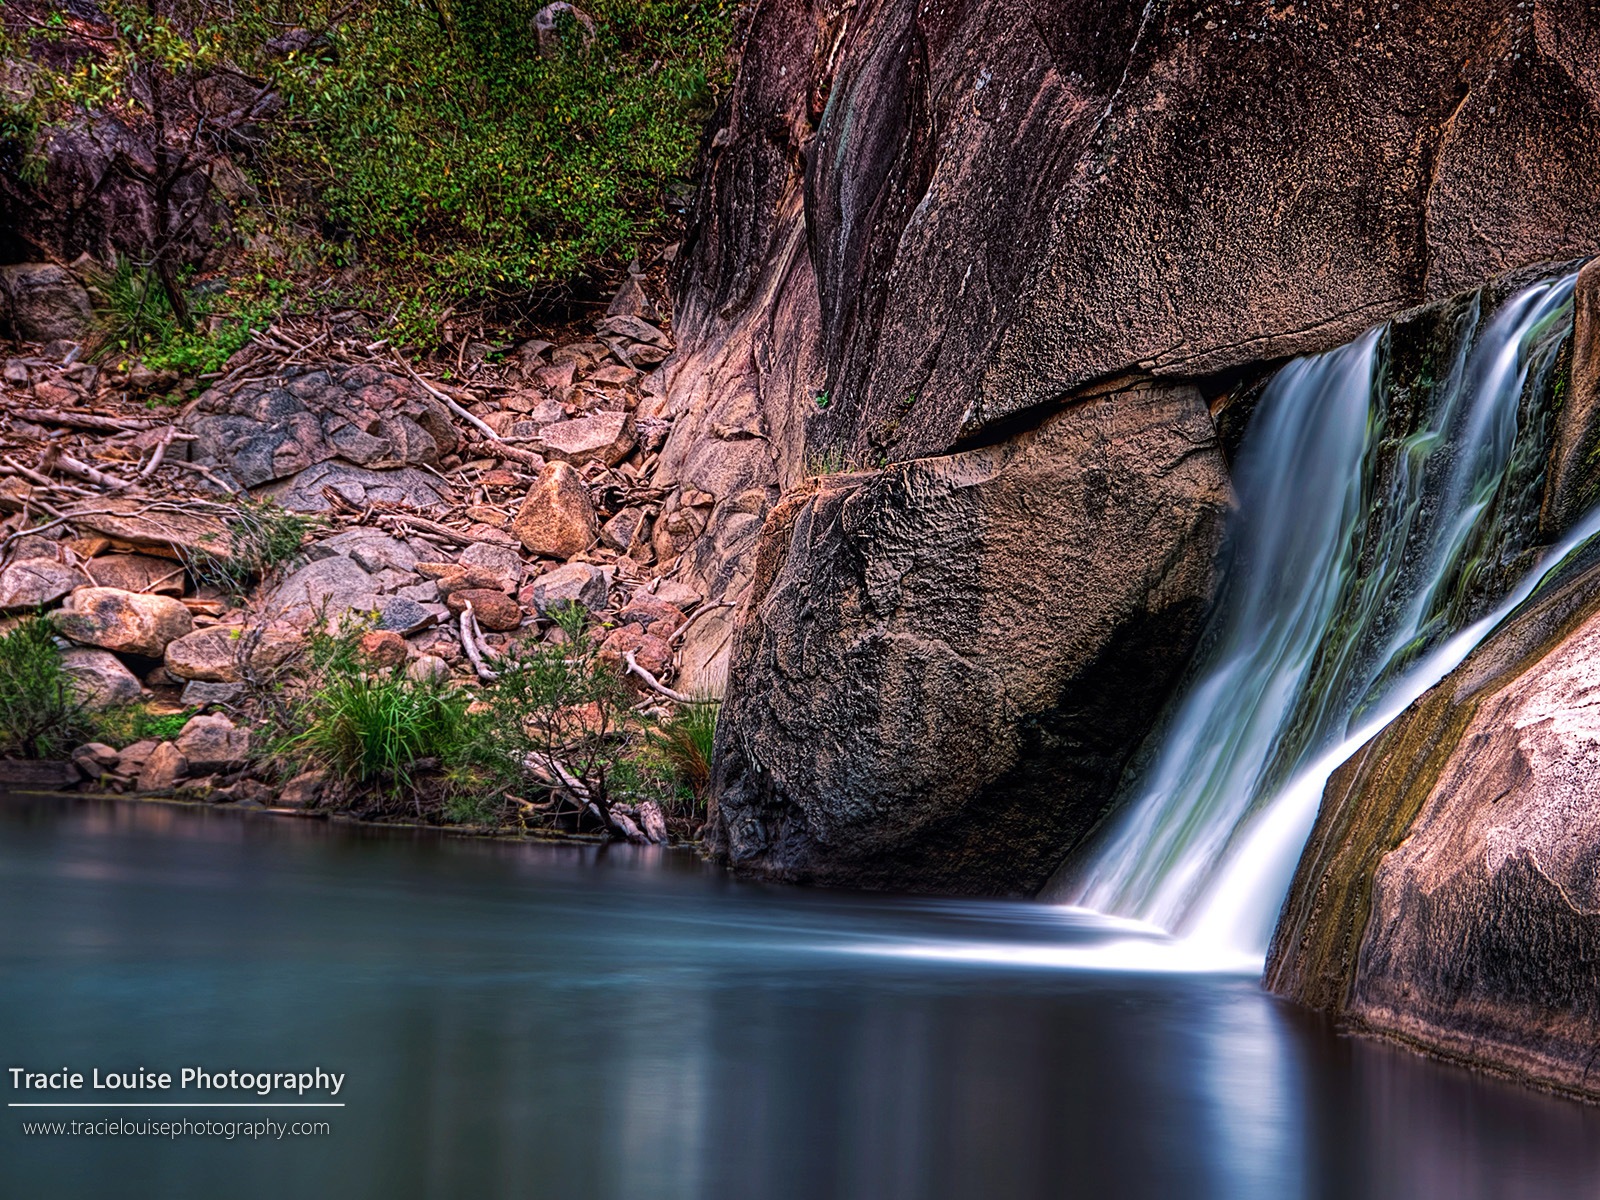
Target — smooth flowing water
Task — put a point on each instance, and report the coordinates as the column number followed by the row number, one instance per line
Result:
column 1384, row 526
column 585, row 1024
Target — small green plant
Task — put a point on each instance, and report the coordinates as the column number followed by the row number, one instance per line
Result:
column 136, row 722
column 560, row 717
column 40, row 713
column 683, row 743
column 262, row 535
column 823, row 399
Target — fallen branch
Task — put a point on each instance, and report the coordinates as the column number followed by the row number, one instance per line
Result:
column 469, row 643
column 449, row 403
column 427, row 526
column 158, row 453
column 53, row 459
column 77, row 420
column 654, row 684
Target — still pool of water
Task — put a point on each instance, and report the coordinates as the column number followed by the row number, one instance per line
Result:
column 537, row 1021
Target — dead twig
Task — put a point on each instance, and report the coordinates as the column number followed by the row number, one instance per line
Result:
column 651, row 682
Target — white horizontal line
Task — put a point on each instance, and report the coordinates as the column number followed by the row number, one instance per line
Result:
column 194, row 1104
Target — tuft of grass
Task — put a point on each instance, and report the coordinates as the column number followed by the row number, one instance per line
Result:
column 375, row 727
column 135, row 722
column 40, row 714
column 684, row 743
column 134, row 319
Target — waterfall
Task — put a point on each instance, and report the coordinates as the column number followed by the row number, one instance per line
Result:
column 1386, row 520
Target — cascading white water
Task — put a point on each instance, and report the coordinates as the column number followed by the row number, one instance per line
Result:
column 1369, row 555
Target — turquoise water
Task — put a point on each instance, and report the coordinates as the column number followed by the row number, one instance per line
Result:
column 534, row 1021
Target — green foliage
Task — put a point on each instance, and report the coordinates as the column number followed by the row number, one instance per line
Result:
column 447, row 145
column 135, row 320
column 136, row 722
column 372, row 726
column 683, row 743
column 40, row 715
column 557, row 702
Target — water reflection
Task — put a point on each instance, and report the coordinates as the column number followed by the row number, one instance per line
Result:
column 584, row 1022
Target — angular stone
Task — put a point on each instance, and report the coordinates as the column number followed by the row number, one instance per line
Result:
column 211, row 742
column 575, row 583
column 649, row 651
column 131, row 758
column 384, row 648
column 127, row 622
column 177, row 533
column 330, row 584
column 37, row 582
column 631, row 301
column 200, row 694
column 605, row 437
column 621, row 530
column 210, row 655
column 358, row 486
column 557, row 519
column 370, row 549
column 137, row 573
column 43, row 303
column 504, row 561
column 648, row 610
column 100, row 679
column 164, row 766
column 427, row 668
column 304, row 790
column 493, row 610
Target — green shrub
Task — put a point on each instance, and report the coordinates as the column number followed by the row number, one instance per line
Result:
column 40, row 716
column 558, row 703
column 262, row 535
column 136, row 722
column 134, row 319
column 446, row 145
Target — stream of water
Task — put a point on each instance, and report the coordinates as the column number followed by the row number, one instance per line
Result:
column 1384, row 527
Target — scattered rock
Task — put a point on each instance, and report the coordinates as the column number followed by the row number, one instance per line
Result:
column 163, row 529
column 399, row 614
column 458, row 578
column 649, row 610
column 304, row 790
column 94, row 759
column 137, row 573
column 162, row 768
column 100, row 679
column 209, row 655
column 127, row 622
column 649, row 651
column 36, row 582
column 131, row 759
column 42, row 302
column 631, row 301
column 199, row 694
column 358, row 486
column 494, row 610
column 370, row 549
column 621, row 530
column 211, row 742
column 557, row 519
column 605, row 437
column 384, row 648
column 332, row 585
column 575, row 583
column 246, row 793
column 427, row 668
column 504, row 561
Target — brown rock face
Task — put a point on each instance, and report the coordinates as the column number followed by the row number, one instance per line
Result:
column 35, row 582
column 126, row 622
column 557, row 519
column 1448, row 896
column 944, row 668
column 212, row 743
column 494, row 610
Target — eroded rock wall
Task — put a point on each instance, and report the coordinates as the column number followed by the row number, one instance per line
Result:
column 1447, row 897
column 925, row 226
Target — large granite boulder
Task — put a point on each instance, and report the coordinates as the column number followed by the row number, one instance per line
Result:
column 1448, row 897
column 944, row 667
column 125, row 622
column 271, row 430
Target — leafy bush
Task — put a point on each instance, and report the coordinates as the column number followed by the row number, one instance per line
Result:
column 40, row 716
column 262, row 534
column 445, row 143
column 135, row 320
column 556, row 707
